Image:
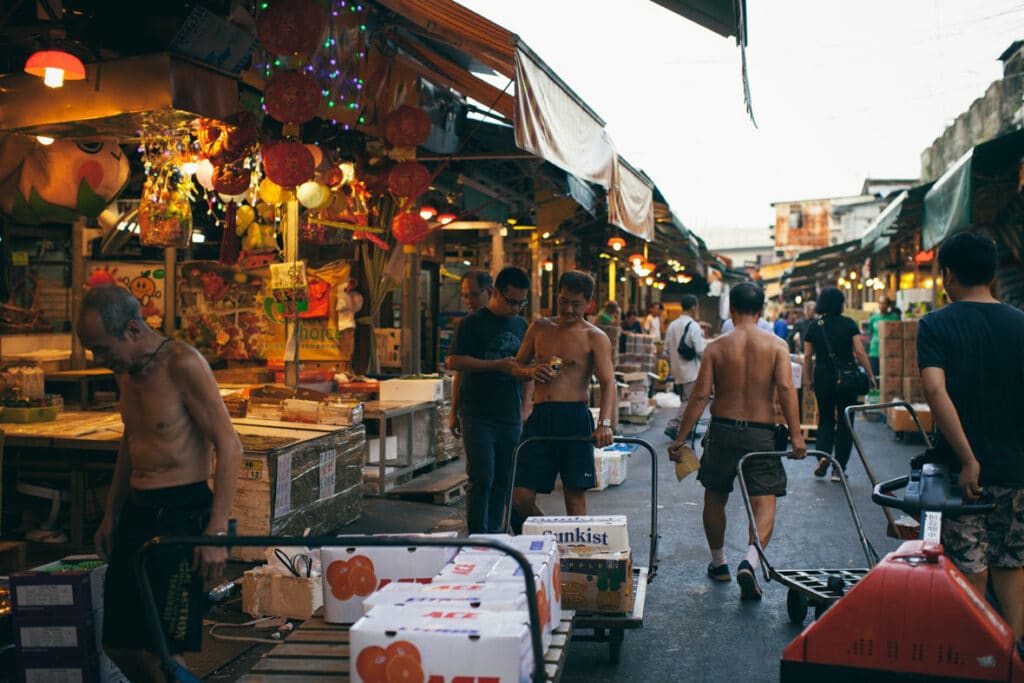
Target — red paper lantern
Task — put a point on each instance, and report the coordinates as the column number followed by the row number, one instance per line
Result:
column 292, row 26
column 292, row 97
column 409, row 227
column 288, row 164
column 408, row 179
column 407, row 126
column 231, row 179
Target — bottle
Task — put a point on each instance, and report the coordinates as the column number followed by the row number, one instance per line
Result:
column 221, row 592
column 555, row 363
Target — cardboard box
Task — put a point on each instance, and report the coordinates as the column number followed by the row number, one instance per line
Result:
column 909, row 329
column 899, row 420
column 270, row 594
column 64, row 637
column 352, row 573
column 910, row 368
column 472, row 568
column 341, row 413
column 549, row 589
column 97, row 669
column 607, row 533
column 889, row 388
column 71, row 586
column 913, row 391
column 373, row 448
column 890, row 366
column 601, row 471
column 400, row 643
column 889, row 329
column 412, row 390
column 597, row 582
column 617, row 456
column 496, row 597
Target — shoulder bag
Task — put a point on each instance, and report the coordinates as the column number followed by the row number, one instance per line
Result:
column 849, row 380
column 686, row 351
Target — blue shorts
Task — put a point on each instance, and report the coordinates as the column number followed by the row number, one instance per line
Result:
column 542, row 462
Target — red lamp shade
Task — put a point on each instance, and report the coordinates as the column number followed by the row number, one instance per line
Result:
column 446, row 218
column 288, row 163
column 407, row 126
column 55, row 67
column 617, row 243
column 409, row 227
column 292, row 97
column 636, row 259
column 428, row 212
column 408, row 179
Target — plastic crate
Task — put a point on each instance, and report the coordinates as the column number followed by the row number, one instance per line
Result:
column 24, row 415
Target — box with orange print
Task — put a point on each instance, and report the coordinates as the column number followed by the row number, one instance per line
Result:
column 352, row 573
column 431, row 643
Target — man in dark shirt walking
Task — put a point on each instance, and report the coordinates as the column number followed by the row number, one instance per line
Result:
column 971, row 355
column 492, row 400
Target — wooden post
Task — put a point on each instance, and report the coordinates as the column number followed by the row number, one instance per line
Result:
column 77, row 282
column 411, row 322
column 291, row 254
column 497, row 250
column 170, row 290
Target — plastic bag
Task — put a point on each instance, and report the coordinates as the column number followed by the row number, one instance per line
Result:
column 665, row 399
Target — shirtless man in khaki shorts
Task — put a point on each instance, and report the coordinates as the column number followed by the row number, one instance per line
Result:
column 743, row 369
column 561, row 401
column 174, row 422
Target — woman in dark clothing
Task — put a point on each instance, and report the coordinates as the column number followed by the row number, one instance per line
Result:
column 833, row 329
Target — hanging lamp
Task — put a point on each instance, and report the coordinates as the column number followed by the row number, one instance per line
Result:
column 55, row 67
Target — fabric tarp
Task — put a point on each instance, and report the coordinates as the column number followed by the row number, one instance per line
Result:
column 947, row 206
column 552, row 122
column 875, row 236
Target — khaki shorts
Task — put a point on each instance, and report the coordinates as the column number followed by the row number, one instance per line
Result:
column 725, row 444
column 996, row 539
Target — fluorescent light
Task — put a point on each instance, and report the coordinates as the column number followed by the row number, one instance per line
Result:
column 44, row 140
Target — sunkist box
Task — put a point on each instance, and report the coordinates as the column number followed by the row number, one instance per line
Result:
column 440, row 645
column 606, row 533
column 70, row 586
column 352, row 573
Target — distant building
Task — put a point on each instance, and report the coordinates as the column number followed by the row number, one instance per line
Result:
column 744, row 247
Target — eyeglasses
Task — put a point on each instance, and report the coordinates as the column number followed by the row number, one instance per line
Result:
column 515, row 303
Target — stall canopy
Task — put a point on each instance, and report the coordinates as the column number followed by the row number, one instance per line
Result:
column 901, row 214
column 724, row 17
column 550, row 120
column 967, row 194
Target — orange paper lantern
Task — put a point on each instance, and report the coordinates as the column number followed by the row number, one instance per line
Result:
column 288, row 164
column 408, row 179
column 409, row 227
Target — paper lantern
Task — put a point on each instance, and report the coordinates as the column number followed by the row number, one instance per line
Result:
column 288, row 163
column 409, row 227
column 292, row 26
column 204, row 174
column 55, row 67
column 318, row 155
column 408, row 179
column 407, row 126
column 313, row 195
column 292, row 97
column 231, row 179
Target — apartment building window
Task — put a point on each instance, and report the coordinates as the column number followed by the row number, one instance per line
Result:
column 796, row 219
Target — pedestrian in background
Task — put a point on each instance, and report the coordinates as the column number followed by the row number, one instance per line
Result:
column 652, row 323
column 885, row 312
column 684, row 330
column 476, row 287
column 609, row 315
column 833, row 344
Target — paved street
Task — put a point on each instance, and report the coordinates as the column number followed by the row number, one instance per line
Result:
column 699, row 630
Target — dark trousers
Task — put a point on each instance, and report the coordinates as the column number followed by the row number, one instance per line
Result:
column 489, row 445
column 831, row 406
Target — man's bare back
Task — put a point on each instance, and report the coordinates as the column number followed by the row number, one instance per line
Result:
column 164, row 443
column 575, row 346
column 744, row 365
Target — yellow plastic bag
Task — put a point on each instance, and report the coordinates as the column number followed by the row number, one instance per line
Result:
column 662, row 369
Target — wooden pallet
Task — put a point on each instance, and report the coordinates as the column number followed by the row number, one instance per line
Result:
column 318, row 652
column 636, row 419
column 443, row 486
column 809, row 432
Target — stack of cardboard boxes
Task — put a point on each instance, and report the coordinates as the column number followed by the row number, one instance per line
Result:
column 58, row 622
column 899, row 376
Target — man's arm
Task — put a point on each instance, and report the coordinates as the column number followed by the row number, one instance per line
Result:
column 198, row 388
column 787, row 397
column 948, row 421
column 698, row 400
column 602, row 350
column 454, row 421
column 698, row 339
column 471, row 364
column 116, row 495
column 862, row 358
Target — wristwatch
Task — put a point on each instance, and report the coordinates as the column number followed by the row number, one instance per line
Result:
column 605, row 423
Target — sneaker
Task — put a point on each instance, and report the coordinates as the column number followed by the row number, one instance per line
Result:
column 719, row 573
column 835, row 476
column 747, row 579
column 822, row 468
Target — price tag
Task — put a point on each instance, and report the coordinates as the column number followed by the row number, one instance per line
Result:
column 932, row 526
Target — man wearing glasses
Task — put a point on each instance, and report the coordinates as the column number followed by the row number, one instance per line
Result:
column 560, row 355
column 493, row 400
column 476, row 287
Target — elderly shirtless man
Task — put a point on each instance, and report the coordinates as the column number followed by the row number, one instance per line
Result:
column 174, row 422
column 743, row 369
column 560, row 401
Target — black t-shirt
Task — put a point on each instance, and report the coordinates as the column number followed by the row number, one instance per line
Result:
column 841, row 331
column 489, row 395
column 981, row 349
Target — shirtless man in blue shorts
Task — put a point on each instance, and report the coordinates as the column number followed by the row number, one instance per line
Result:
column 560, row 401
column 174, row 423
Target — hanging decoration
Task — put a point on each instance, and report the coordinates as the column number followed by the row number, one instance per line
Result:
column 408, row 179
column 288, row 164
column 407, row 127
column 165, row 210
column 291, row 27
column 292, row 97
column 409, row 227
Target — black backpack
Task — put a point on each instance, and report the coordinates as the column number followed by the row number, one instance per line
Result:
column 686, row 352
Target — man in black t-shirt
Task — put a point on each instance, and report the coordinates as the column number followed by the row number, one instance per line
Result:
column 492, row 400
column 971, row 355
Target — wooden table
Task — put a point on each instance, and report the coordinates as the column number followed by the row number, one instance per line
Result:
column 84, row 379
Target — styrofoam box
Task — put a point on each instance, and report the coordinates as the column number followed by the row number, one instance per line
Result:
column 496, row 597
column 373, row 448
column 352, row 573
column 431, row 644
column 601, row 532
column 411, row 390
column 600, row 473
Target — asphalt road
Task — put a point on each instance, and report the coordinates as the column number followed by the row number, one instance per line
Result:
column 699, row 630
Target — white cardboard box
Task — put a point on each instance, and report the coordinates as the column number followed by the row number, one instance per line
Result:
column 606, row 533
column 496, row 597
column 352, row 573
column 411, row 390
column 431, row 644
column 373, row 448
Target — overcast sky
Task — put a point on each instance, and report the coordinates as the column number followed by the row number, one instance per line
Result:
column 841, row 91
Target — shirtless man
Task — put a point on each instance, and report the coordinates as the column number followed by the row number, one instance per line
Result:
column 560, row 401
column 743, row 369
column 174, row 422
